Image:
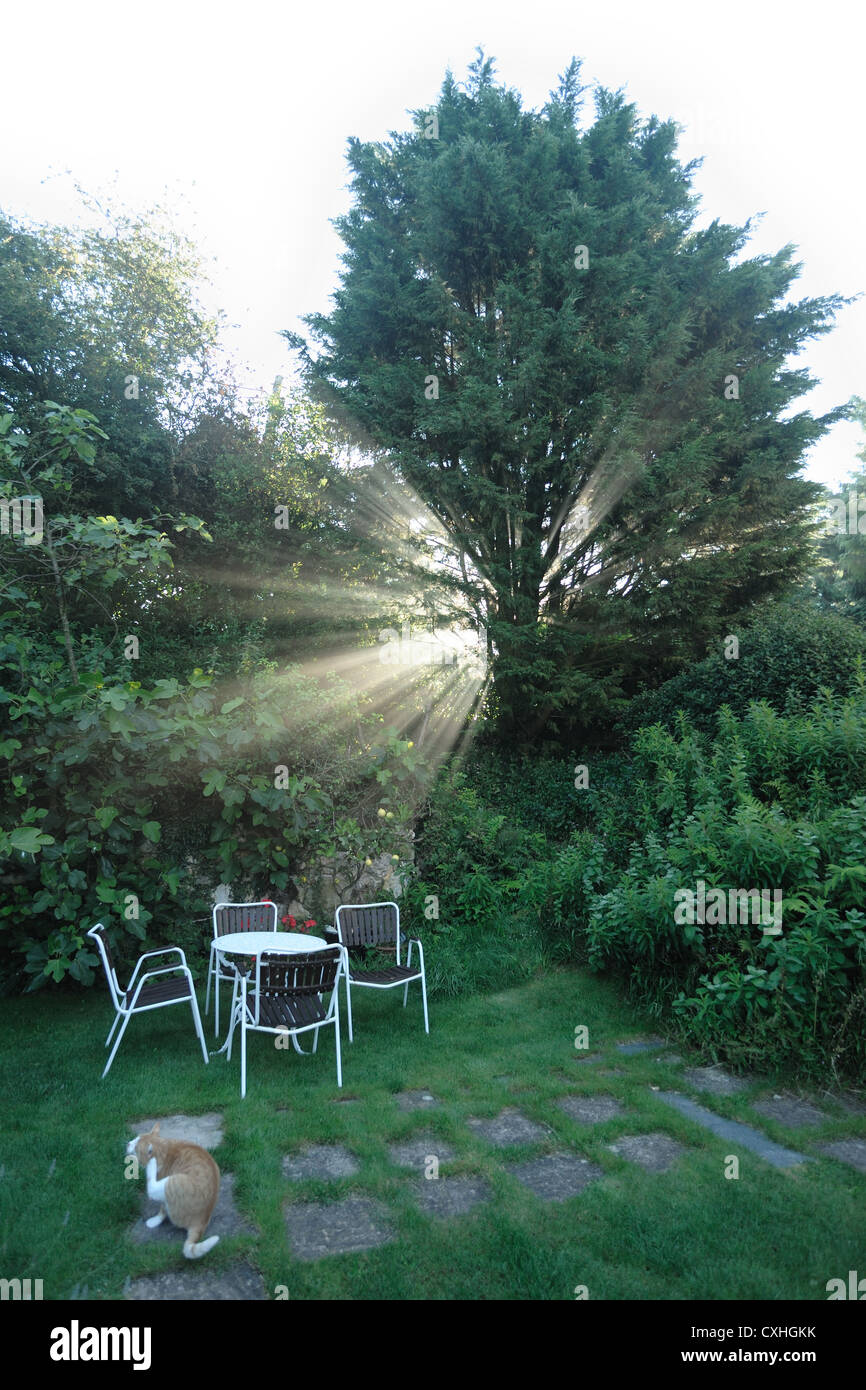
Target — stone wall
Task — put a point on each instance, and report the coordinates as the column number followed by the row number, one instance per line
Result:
column 325, row 884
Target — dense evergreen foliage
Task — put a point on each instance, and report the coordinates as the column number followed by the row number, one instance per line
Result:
column 585, row 388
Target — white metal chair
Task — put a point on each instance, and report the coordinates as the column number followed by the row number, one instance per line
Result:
column 289, row 999
column 229, row 918
column 377, row 926
column 140, row 997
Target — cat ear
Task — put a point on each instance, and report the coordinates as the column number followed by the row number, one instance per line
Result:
column 149, row 1150
column 155, row 1129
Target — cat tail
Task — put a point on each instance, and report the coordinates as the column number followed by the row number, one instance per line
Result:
column 195, row 1252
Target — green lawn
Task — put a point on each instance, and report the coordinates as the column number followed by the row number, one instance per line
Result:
column 689, row 1233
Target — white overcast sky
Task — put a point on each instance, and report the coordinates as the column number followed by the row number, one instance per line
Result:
column 238, row 116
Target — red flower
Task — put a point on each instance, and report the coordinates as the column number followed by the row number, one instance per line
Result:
column 309, row 923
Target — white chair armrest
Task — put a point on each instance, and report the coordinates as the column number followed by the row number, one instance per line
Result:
column 414, row 941
column 148, row 955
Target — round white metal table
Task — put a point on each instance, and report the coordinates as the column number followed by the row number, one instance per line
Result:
column 252, row 943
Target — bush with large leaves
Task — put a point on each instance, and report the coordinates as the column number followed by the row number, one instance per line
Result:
column 131, row 805
column 107, row 780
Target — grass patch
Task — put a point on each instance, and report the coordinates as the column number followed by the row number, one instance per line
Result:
column 66, row 1208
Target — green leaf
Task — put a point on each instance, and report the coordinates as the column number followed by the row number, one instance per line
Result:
column 29, row 839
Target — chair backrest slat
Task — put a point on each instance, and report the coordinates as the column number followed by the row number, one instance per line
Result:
column 288, row 980
column 305, row 973
column 238, row 917
column 371, row 924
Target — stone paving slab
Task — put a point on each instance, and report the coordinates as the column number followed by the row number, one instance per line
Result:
column 670, row 1059
column 631, row 1049
column 733, row 1132
column 850, row 1151
column 714, row 1080
column 790, row 1110
column 445, row 1197
column 327, row 1161
column 206, row 1130
column 655, row 1152
column 590, row 1110
column 413, row 1153
column 851, row 1103
column 237, row 1283
column 316, row 1229
column 415, row 1100
column 556, row 1177
column 509, row 1127
column 226, row 1220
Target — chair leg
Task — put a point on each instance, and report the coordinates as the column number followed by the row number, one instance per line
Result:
column 233, row 1019
column 198, row 1028
column 337, row 1034
column 349, row 1007
column 244, row 1055
column 210, row 965
column 112, row 1028
column 117, row 1044
column 424, row 997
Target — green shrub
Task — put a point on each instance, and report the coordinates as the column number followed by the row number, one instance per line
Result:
column 785, row 658
column 774, row 802
column 111, row 789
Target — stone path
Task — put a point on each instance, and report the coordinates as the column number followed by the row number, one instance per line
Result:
column 510, row 1127
column 714, row 1080
column 790, row 1111
column 733, row 1132
column 315, row 1229
column 631, row 1049
column 655, row 1152
column 415, row 1100
column 206, row 1130
column 320, row 1161
column 355, row 1222
column 239, row 1282
column 415, row 1153
column 446, row 1197
column 556, row 1176
column 850, row 1151
column 591, row 1110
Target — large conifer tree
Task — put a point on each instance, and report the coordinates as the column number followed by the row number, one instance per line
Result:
column 584, row 387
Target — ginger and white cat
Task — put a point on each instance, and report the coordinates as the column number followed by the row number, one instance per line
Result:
column 185, row 1180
